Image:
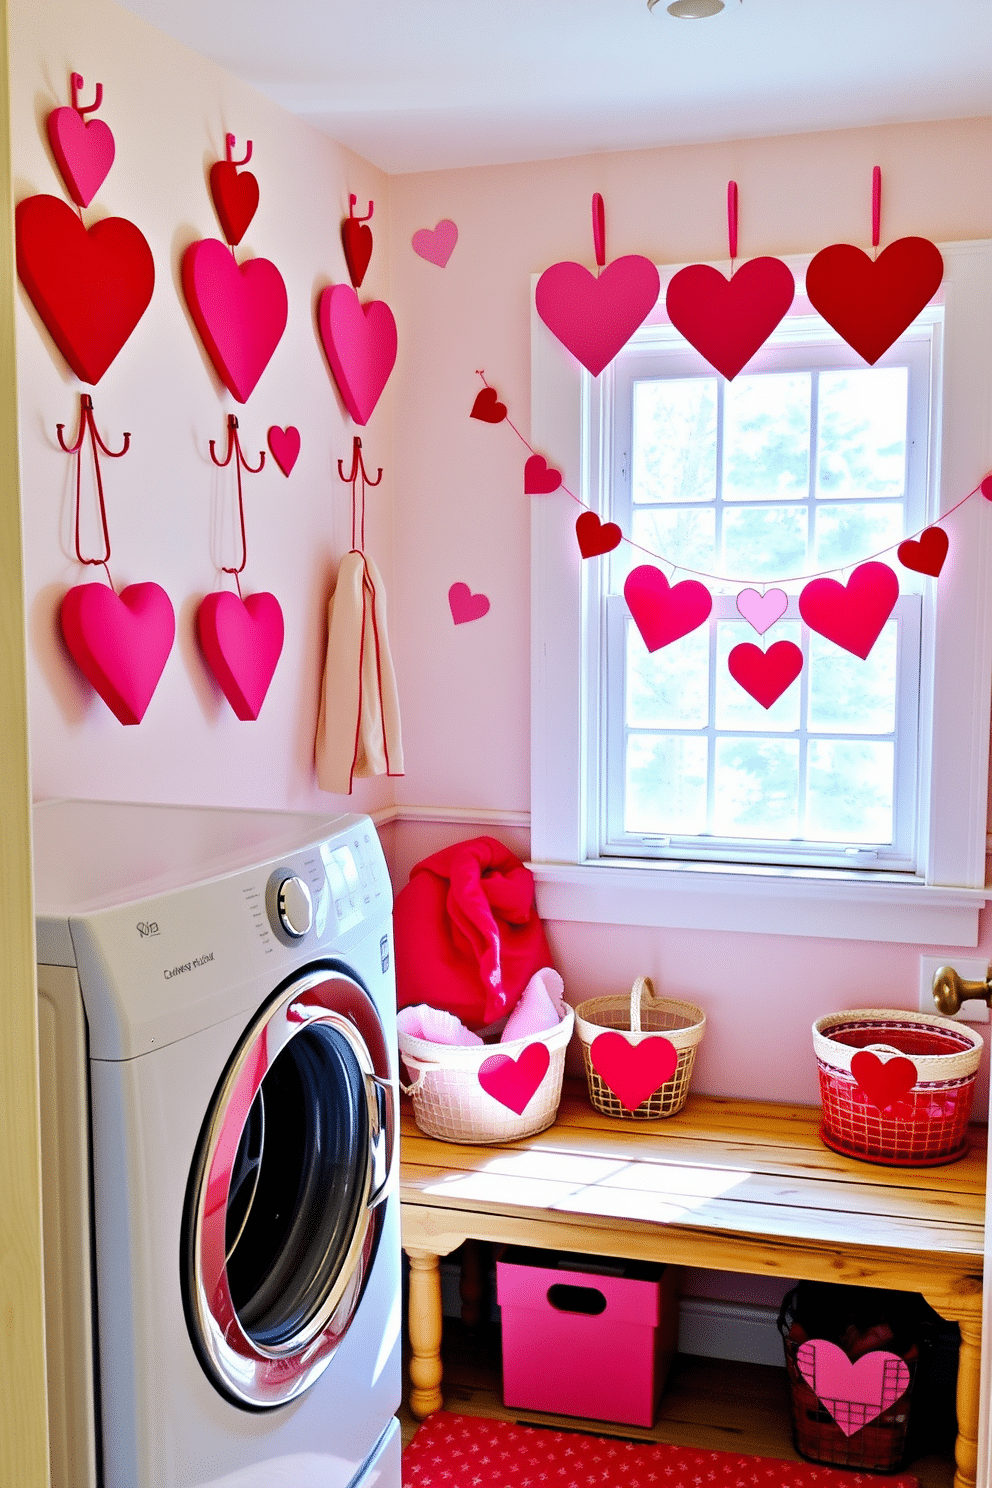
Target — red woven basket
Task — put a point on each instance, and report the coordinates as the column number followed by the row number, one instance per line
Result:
column 926, row 1126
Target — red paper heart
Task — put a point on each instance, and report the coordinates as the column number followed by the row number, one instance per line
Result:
column 285, row 446
column 927, row 555
column 513, row 1081
column 436, row 244
column 465, row 605
column 661, row 614
column 851, row 617
column 765, row 674
column 596, row 537
column 633, row 1071
column 235, row 198
column 595, row 317
column 84, row 152
column 728, row 320
column 240, row 311
column 488, row 408
column 242, row 643
column 360, row 342
column 356, row 239
column 986, row 488
column 540, row 478
column 883, row 1082
column 120, row 642
column 871, row 302
column 90, row 288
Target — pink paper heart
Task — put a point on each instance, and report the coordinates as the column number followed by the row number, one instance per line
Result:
column 851, row 616
column 854, row 1393
column 762, row 610
column 120, row 642
column 360, row 342
column 513, row 1081
column 540, row 478
column 870, row 302
column 242, row 643
column 664, row 614
column 436, row 244
column 465, row 605
column 765, row 675
column 84, row 152
column 633, row 1071
column 285, row 446
column 595, row 317
column 886, row 1081
column 728, row 320
column 240, row 311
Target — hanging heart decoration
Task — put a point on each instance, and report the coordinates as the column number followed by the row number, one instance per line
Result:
column 487, row 407
column 728, row 320
column 870, row 302
column 89, row 287
column 664, row 614
column 596, row 537
column 360, row 343
column 465, row 605
column 592, row 317
column 762, row 610
column 633, row 1071
column 356, row 240
column 242, row 642
column 986, row 488
column 852, row 616
column 120, row 642
column 84, row 152
column 884, row 1082
column 436, row 244
column 235, row 195
column 927, row 554
column 540, row 478
column 854, row 1393
column 240, row 311
column 514, row 1081
column 765, row 675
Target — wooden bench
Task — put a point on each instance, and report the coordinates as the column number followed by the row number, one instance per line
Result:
column 730, row 1185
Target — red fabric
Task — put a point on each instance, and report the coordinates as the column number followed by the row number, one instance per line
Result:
column 468, row 937
column 452, row 1451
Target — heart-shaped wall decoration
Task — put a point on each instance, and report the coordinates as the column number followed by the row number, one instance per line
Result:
column 465, row 605
column 487, row 408
column 728, row 320
column 927, row 554
column 765, row 675
column 596, row 537
column 120, row 642
column 285, row 446
column 356, row 240
column 986, row 488
column 360, row 342
column 664, row 614
column 633, row 1071
column 84, row 152
column 592, row 317
column 762, row 610
column 514, row 1081
column 852, row 616
column 436, row 244
column 235, row 195
column 870, row 302
column 89, row 287
column 884, row 1081
column 854, row 1393
column 240, row 311
column 540, row 478
column 242, row 643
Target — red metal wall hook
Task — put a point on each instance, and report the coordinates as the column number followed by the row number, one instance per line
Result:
column 87, row 424
column 732, row 214
column 358, row 466
column 353, row 203
column 77, row 82
column 358, row 471
column 229, row 143
column 234, row 443
column 599, row 230
column 876, row 205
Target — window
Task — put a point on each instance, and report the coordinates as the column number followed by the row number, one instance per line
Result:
column 861, row 793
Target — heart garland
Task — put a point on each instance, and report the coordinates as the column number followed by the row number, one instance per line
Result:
column 765, row 675
column 120, row 642
column 762, row 610
column 596, row 537
column 488, row 409
column 926, row 555
column 540, row 478
column 241, row 641
column 663, row 614
column 851, row 616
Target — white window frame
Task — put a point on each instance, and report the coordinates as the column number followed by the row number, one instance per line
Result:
column 938, row 905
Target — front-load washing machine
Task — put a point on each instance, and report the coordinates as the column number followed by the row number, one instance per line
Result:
column 219, row 1120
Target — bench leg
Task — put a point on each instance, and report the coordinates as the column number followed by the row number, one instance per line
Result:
column 425, row 1334
column 969, row 1376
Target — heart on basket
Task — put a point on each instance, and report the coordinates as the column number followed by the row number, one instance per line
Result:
column 633, row 1071
column 120, row 642
column 854, row 1393
column 883, row 1081
column 663, row 614
column 870, row 302
column 514, row 1081
column 728, row 320
column 592, row 317
column 851, row 616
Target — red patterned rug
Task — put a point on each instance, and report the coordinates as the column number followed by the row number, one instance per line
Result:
column 452, row 1451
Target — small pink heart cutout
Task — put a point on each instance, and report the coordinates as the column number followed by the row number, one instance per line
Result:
column 762, row 610
column 120, row 642
column 853, row 1393
column 633, row 1071
column 241, row 642
column 436, row 244
column 285, row 446
column 514, row 1081
column 465, row 605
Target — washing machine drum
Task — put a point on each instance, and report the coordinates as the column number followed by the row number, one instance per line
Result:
column 284, row 1204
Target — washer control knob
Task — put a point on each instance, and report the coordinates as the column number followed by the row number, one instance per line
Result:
column 294, row 907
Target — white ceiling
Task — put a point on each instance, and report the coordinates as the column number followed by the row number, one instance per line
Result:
column 429, row 84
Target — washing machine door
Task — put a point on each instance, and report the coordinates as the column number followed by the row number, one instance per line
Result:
column 284, row 1204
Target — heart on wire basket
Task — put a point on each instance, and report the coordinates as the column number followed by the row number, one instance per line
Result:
column 854, row 1393
column 633, row 1071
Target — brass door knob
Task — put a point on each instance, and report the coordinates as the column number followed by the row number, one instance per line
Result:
column 950, row 990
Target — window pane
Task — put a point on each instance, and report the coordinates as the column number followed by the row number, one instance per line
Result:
column 666, row 784
column 862, row 433
column 851, row 696
column 668, row 688
column 849, row 791
column 849, row 534
column 735, row 708
column 766, row 437
column 683, row 535
column 764, row 542
column 674, row 440
column 756, row 788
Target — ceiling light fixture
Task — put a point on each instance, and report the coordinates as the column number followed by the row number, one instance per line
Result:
column 691, row 10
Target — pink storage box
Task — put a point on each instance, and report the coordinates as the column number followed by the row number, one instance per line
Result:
column 581, row 1343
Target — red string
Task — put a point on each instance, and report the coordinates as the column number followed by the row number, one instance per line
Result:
column 234, row 444
column 87, row 425
column 358, row 469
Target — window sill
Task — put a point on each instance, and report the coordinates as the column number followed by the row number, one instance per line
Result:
column 767, row 901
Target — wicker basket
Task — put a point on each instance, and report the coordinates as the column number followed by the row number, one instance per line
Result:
column 449, row 1102
column 926, row 1126
column 682, row 1023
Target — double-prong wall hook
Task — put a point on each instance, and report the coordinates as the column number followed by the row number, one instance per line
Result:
column 353, row 203
column 229, row 143
column 87, row 423
column 234, row 443
column 76, row 81
column 358, row 471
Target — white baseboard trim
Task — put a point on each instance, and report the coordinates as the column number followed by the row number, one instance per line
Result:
column 452, row 815
column 730, row 1330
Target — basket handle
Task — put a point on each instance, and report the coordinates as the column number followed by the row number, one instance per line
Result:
column 882, row 1049
column 637, row 991
column 421, row 1067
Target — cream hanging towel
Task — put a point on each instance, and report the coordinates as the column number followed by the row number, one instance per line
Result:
column 358, row 729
